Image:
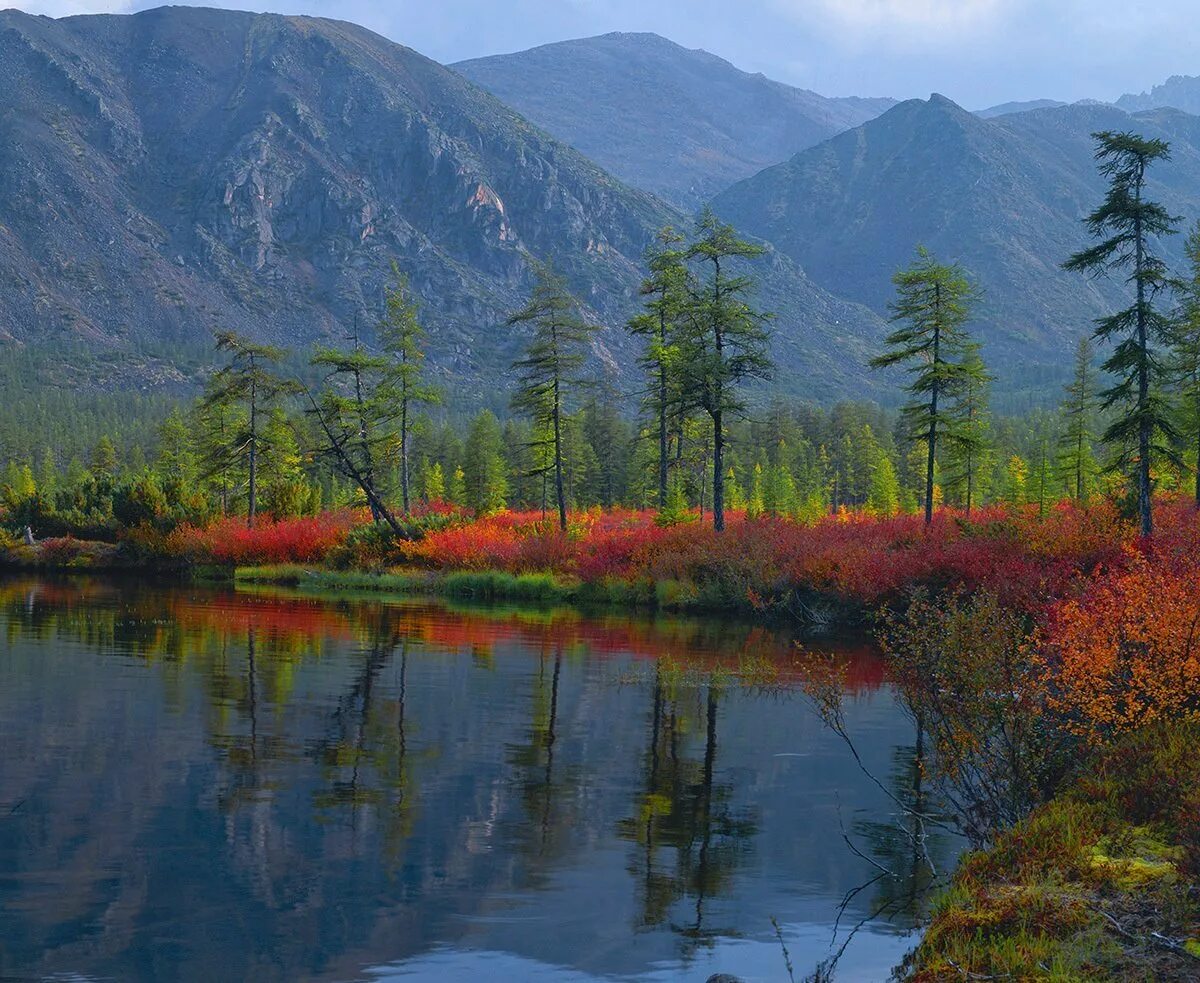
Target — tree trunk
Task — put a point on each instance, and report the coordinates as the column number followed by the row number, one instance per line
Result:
column 253, row 506
column 1144, row 434
column 933, row 404
column 663, row 452
column 1198, row 461
column 718, row 502
column 404, row 492
column 558, row 460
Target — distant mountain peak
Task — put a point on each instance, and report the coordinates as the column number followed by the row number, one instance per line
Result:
column 682, row 123
column 1177, row 92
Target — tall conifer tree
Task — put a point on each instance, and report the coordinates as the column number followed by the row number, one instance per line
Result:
column 725, row 341
column 933, row 303
column 550, row 367
column 1126, row 224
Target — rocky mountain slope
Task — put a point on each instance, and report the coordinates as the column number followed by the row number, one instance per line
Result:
column 166, row 173
column 680, row 123
column 1005, row 197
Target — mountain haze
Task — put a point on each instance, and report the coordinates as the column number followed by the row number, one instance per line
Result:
column 680, row 123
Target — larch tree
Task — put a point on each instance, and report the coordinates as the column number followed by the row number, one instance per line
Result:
column 484, row 477
column 550, row 367
column 1187, row 354
column 1127, row 223
column 1076, row 458
column 402, row 336
column 251, row 380
column 354, row 417
column 665, row 290
column 968, row 439
column 933, row 304
column 724, row 341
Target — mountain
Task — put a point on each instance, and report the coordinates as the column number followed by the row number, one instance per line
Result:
column 1177, row 92
column 682, row 124
column 177, row 170
column 1007, row 108
column 1005, row 197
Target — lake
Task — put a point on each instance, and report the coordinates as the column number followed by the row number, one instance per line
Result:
column 200, row 784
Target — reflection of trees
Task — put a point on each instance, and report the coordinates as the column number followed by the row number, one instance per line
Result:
column 909, row 854
column 908, row 847
column 534, row 758
column 364, row 755
column 691, row 838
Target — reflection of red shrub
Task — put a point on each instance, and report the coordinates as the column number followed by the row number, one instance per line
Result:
column 306, row 540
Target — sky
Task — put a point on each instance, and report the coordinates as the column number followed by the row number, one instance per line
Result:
column 977, row 52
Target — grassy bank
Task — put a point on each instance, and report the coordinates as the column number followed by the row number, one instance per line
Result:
column 495, row 585
column 1102, row 883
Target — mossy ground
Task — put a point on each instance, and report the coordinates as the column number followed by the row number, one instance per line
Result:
column 1103, row 883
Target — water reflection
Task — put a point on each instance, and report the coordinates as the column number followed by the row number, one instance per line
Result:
column 201, row 784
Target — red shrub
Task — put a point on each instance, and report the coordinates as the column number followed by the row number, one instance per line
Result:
column 230, row 542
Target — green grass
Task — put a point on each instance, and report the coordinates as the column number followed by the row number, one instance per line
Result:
column 309, row 578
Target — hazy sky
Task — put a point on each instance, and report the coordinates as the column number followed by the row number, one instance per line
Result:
column 978, row 52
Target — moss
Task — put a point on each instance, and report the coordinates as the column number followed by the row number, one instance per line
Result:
column 1088, row 886
column 1134, row 859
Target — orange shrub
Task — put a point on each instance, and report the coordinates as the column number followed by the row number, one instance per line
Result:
column 1126, row 652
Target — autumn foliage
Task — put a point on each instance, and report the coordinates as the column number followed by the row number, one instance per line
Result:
column 231, row 542
column 1126, row 652
column 854, row 558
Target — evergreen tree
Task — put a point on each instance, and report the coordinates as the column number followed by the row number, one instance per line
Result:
column 283, row 487
column 484, row 480
column 1076, row 459
column 104, row 460
column 968, row 438
column 666, row 292
column 1016, row 479
column 433, row 482
column 1187, row 355
column 248, row 379
column 755, row 501
column 608, row 437
column 934, row 303
column 220, row 462
column 883, row 498
column 548, row 370
column 401, row 336
column 354, row 416
column 1126, row 223
column 724, row 341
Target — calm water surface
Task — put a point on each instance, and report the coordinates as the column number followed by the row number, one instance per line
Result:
column 203, row 785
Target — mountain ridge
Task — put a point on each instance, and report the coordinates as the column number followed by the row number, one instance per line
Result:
column 177, row 170
column 1005, row 197
column 679, row 122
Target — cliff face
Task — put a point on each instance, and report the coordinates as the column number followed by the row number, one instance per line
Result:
column 169, row 172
